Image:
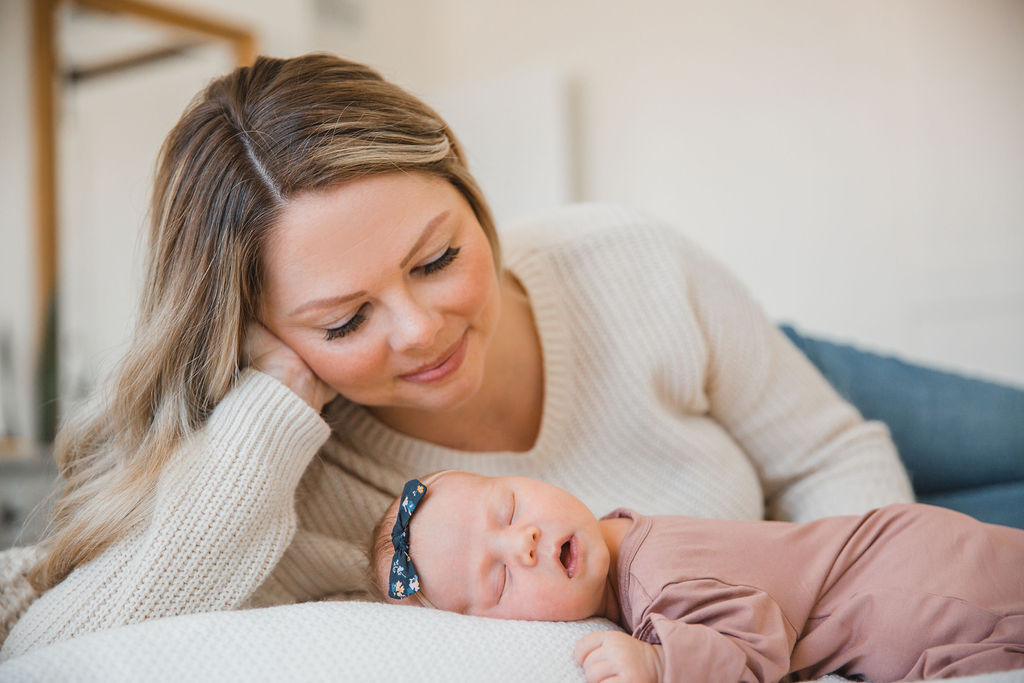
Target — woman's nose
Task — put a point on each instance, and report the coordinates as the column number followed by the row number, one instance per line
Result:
column 415, row 325
column 521, row 545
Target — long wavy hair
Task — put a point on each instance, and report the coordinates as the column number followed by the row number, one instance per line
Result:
column 245, row 145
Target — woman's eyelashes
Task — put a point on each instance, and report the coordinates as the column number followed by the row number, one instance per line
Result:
column 356, row 321
column 441, row 262
column 349, row 326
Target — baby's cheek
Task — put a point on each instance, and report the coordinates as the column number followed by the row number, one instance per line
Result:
column 546, row 603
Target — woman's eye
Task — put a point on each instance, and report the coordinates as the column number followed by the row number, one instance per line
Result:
column 349, row 326
column 441, row 262
column 512, row 509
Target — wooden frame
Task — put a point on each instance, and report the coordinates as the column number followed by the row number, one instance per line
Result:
column 46, row 86
column 243, row 40
column 44, row 65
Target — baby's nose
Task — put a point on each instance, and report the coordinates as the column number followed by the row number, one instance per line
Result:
column 524, row 545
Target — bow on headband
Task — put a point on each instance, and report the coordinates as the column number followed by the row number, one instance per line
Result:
column 403, row 581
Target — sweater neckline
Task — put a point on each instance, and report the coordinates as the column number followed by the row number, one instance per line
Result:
column 373, row 438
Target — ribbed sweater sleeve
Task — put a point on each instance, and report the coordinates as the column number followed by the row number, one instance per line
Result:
column 814, row 453
column 224, row 515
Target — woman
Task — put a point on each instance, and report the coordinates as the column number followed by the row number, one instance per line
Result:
column 326, row 313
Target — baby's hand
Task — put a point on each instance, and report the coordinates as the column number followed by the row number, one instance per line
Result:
column 618, row 656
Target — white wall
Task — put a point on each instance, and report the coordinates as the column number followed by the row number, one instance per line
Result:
column 859, row 164
column 16, row 246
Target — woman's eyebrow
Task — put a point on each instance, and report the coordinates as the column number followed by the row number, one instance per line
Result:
column 425, row 235
column 338, row 300
column 324, row 303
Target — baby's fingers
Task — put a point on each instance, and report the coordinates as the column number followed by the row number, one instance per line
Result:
column 601, row 672
column 615, row 656
column 591, row 654
column 586, row 645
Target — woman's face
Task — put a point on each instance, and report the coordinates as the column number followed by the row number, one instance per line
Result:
column 386, row 287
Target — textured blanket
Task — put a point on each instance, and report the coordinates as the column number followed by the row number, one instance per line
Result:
column 323, row 642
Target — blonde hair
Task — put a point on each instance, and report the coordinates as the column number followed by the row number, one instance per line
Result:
column 245, row 145
column 381, row 548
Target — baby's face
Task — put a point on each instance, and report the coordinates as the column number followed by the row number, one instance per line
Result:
column 508, row 547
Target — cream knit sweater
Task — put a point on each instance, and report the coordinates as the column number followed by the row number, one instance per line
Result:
column 666, row 390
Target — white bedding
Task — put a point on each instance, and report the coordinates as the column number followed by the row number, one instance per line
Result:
column 326, row 641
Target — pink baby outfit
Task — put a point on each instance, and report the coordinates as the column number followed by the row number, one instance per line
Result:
column 905, row 592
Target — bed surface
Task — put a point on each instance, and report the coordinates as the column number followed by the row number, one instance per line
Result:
column 325, row 641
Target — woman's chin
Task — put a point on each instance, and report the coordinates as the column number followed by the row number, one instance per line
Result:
column 412, row 398
column 451, row 398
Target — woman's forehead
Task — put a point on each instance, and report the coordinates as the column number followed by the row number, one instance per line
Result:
column 336, row 243
column 367, row 212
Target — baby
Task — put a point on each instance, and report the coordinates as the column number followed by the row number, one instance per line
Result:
column 902, row 593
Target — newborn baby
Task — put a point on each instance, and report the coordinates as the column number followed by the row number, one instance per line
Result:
column 902, row 593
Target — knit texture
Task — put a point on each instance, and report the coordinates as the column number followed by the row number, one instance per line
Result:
column 666, row 390
column 224, row 515
column 354, row 641
column 16, row 593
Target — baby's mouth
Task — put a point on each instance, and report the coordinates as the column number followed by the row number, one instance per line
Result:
column 569, row 556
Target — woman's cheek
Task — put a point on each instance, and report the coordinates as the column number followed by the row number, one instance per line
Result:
column 352, row 372
column 481, row 286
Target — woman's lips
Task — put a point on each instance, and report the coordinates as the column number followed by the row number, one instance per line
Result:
column 449, row 362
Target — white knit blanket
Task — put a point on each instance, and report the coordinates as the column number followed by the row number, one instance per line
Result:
column 355, row 641
column 325, row 641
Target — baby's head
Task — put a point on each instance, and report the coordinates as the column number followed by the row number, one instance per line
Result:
column 506, row 547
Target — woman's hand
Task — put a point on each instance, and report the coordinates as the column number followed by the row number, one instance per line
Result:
column 618, row 656
column 263, row 351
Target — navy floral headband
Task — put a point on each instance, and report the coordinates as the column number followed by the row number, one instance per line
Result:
column 403, row 580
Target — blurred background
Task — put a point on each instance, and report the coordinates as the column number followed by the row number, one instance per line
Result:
column 860, row 165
